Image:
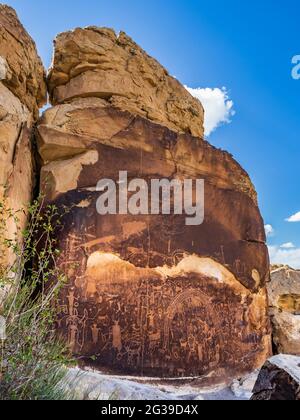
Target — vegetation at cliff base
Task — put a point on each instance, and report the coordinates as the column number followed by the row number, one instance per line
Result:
column 32, row 359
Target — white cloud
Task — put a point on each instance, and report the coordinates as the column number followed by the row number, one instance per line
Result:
column 289, row 257
column 294, row 219
column 288, row 245
column 269, row 230
column 217, row 105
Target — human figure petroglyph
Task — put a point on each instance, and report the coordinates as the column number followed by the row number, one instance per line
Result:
column 116, row 334
column 151, row 320
column 200, row 352
column 71, row 301
column 126, row 327
column 95, row 333
column 73, row 335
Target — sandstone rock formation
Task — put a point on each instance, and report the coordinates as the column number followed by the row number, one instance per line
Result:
column 95, row 62
column 284, row 300
column 148, row 295
column 279, row 380
column 22, row 92
column 21, row 68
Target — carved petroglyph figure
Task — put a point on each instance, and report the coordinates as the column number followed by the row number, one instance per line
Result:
column 163, row 319
column 71, row 301
column 73, row 335
column 116, row 334
column 95, row 333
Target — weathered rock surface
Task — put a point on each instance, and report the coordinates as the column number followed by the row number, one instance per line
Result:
column 95, row 62
column 279, row 380
column 148, row 295
column 242, row 388
column 95, row 386
column 21, row 69
column 284, row 301
column 22, row 91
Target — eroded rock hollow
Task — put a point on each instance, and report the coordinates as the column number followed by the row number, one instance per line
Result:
column 147, row 294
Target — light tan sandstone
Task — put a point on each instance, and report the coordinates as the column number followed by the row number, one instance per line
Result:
column 22, row 92
column 284, row 299
column 21, row 69
column 95, row 62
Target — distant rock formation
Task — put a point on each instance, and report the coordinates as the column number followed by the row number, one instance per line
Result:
column 279, row 380
column 284, row 300
column 22, row 91
column 148, row 295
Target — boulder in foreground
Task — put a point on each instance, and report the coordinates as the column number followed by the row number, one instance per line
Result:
column 279, row 380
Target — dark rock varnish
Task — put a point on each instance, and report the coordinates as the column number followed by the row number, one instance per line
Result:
column 279, row 380
column 148, row 295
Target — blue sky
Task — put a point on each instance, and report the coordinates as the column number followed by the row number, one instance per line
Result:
column 246, row 47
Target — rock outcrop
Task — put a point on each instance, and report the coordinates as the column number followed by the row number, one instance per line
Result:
column 89, row 385
column 284, row 300
column 22, row 91
column 21, row 69
column 95, row 62
column 279, row 380
column 147, row 294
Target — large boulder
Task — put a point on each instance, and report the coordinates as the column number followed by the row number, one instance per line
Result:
column 279, row 380
column 148, row 294
column 284, row 300
column 98, row 63
column 90, row 385
column 22, row 92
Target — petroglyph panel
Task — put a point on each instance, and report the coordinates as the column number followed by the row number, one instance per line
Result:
column 149, row 295
column 136, row 320
column 137, row 303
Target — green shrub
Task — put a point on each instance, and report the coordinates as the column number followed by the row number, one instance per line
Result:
column 32, row 359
